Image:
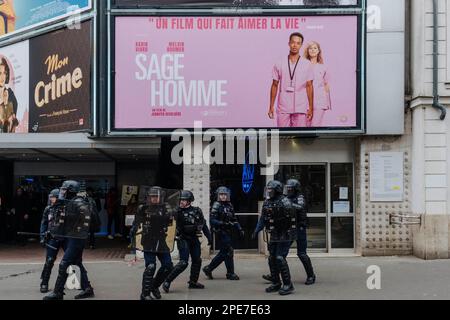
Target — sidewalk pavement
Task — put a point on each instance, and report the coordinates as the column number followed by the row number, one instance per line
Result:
column 337, row 278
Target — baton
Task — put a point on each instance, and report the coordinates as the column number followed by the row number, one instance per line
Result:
column 42, row 234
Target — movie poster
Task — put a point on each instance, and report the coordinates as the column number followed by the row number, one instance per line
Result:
column 238, row 3
column 127, row 193
column 236, row 72
column 21, row 15
column 60, row 80
column 14, row 60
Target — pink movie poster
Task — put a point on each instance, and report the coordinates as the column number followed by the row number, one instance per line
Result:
column 236, row 72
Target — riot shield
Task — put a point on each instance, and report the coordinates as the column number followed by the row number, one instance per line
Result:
column 158, row 229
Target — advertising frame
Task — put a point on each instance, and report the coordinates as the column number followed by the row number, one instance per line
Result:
column 360, row 56
column 91, row 17
column 48, row 22
column 197, row 6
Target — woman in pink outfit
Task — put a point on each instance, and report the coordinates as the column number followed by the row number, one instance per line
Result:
column 322, row 101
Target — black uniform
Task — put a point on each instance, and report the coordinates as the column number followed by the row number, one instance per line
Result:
column 155, row 219
column 190, row 225
column 278, row 218
column 223, row 221
column 293, row 193
column 74, row 226
column 50, row 224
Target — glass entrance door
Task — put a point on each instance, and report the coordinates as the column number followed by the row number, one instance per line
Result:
column 314, row 185
column 328, row 188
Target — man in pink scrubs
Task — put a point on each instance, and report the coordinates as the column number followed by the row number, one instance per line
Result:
column 293, row 83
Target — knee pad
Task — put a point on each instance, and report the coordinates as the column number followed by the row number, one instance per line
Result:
column 182, row 264
column 230, row 252
column 272, row 259
column 168, row 267
column 280, row 259
column 302, row 256
column 50, row 261
column 150, row 270
column 63, row 266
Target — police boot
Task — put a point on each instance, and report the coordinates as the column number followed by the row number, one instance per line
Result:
column 45, row 276
column 232, row 276
column 208, row 272
column 54, row 296
column 86, row 293
column 310, row 276
column 195, row 285
column 195, row 273
column 229, row 263
column 267, row 277
column 272, row 268
column 274, row 276
column 215, row 262
column 58, row 292
column 147, row 282
column 161, row 275
column 287, row 287
column 177, row 270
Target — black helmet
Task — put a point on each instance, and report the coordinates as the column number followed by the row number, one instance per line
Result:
column 223, row 190
column 69, row 189
column 54, row 193
column 292, row 187
column 187, row 195
column 156, row 192
column 274, row 188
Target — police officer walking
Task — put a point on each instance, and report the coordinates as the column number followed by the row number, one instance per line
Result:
column 293, row 193
column 155, row 217
column 223, row 220
column 49, row 225
column 74, row 226
column 190, row 225
column 278, row 218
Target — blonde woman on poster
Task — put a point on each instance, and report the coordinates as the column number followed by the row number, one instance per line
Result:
column 322, row 100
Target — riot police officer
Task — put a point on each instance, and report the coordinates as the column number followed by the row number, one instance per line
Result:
column 74, row 226
column 190, row 225
column 155, row 217
column 292, row 190
column 293, row 193
column 49, row 224
column 223, row 220
column 278, row 218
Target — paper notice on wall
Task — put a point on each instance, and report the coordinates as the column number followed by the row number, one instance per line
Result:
column 341, row 206
column 129, row 219
column 343, row 193
column 386, row 176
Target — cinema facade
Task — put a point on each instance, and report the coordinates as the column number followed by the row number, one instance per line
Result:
column 111, row 82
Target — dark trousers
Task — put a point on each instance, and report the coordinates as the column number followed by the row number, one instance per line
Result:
column 164, row 258
column 73, row 255
column 302, row 245
column 278, row 265
column 279, row 249
column 226, row 253
column 188, row 248
column 302, row 241
column 92, row 239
